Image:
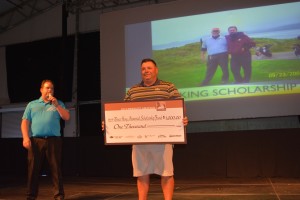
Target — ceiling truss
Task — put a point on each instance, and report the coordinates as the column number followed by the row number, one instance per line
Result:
column 15, row 12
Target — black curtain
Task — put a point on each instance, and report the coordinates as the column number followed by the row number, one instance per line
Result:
column 89, row 67
column 30, row 63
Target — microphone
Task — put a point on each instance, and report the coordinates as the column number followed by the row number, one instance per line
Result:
column 49, row 96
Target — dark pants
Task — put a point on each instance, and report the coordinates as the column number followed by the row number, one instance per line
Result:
column 51, row 148
column 238, row 62
column 213, row 61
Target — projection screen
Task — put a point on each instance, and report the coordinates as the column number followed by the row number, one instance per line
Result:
column 171, row 33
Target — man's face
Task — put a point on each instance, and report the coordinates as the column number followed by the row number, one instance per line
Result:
column 47, row 89
column 149, row 72
column 232, row 30
column 215, row 33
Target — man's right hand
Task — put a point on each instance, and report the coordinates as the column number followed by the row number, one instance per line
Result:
column 26, row 143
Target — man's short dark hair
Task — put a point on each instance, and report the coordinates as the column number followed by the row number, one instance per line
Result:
column 46, row 80
column 148, row 60
column 232, row 27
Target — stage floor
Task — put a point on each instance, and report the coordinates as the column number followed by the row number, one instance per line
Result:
column 95, row 188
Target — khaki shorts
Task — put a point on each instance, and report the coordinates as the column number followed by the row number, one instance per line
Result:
column 152, row 159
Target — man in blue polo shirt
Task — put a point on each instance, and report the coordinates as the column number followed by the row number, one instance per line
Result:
column 41, row 137
column 216, row 48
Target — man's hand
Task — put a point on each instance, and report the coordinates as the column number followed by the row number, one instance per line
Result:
column 53, row 100
column 26, row 143
column 102, row 125
column 185, row 121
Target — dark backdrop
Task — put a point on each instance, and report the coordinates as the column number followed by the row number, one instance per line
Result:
column 30, row 63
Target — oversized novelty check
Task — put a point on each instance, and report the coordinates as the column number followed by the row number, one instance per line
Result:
column 144, row 122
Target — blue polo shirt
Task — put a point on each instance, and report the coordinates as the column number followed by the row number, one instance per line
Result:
column 214, row 46
column 44, row 118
